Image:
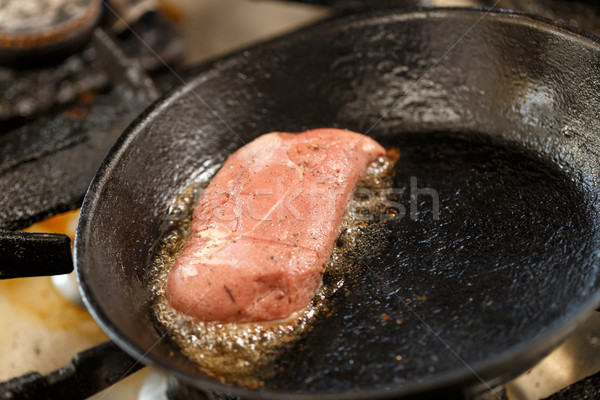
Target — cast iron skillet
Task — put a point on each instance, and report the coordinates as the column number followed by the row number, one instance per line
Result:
column 503, row 124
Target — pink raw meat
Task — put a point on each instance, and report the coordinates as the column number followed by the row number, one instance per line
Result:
column 266, row 225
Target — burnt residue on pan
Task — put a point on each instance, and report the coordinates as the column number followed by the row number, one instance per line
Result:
column 440, row 246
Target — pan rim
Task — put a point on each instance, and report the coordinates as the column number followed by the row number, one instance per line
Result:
column 492, row 367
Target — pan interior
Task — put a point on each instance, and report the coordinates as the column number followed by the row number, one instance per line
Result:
column 475, row 234
column 428, row 293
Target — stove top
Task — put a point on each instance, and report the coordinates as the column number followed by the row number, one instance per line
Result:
column 58, row 121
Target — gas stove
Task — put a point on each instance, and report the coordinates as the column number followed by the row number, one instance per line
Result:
column 78, row 76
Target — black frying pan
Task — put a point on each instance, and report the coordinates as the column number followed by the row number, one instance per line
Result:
column 498, row 112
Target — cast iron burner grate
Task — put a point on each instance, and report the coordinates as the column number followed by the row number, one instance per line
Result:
column 57, row 122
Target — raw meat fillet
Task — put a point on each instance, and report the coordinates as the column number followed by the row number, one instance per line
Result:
column 265, row 227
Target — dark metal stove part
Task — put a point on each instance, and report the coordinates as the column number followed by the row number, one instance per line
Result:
column 88, row 373
column 161, row 42
column 47, row 163
column 57, row 121
column 587, row 389
column 33, row 92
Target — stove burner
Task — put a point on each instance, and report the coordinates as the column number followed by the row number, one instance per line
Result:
column 31, row 28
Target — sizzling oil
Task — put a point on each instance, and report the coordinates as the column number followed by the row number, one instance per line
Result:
column 245, row 353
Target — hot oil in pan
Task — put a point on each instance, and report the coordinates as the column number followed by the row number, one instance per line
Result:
column 405, row 287
column 244, row 353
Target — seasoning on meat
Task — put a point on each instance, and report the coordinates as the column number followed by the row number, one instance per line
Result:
column 266, row 225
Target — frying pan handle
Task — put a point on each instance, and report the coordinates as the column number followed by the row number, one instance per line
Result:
column 88, row 373
column 24, row 254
